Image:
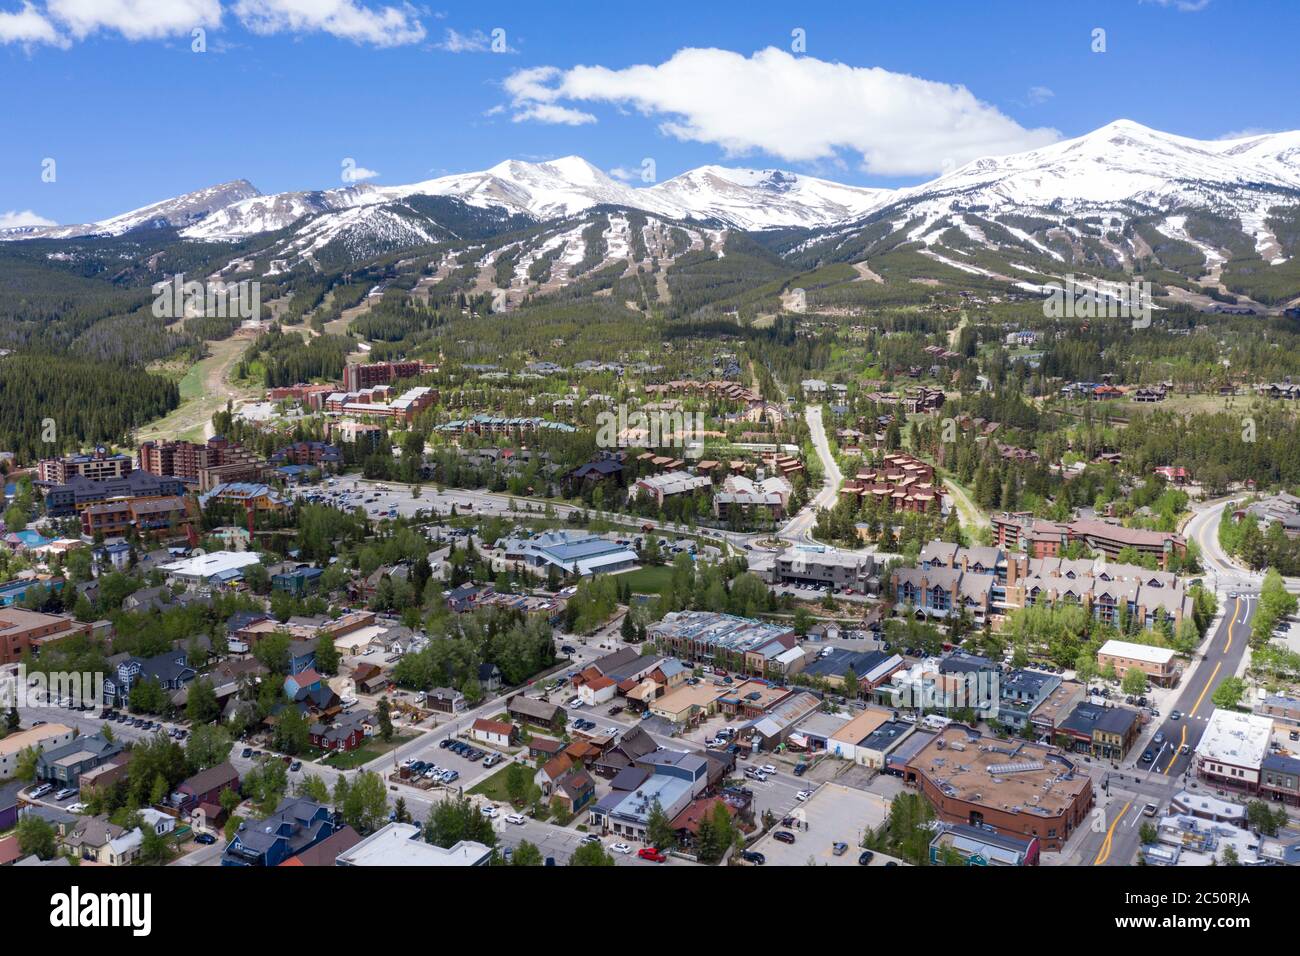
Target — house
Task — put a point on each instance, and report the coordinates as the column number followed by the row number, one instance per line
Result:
column 631, row 747
column 297, row 825
column 496, row 733
column 328, row 850
column 96, row 840
column 687, row 823
column 544, row 748
column 346, row 734
column 550, row 773
column 600, row 690
column 537, row 712
column 206, row 786
column 299, row 685
column 574, row 791
column 403, row 845
column 170, row 671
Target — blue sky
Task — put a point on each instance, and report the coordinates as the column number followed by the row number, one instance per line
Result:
column 882, row 93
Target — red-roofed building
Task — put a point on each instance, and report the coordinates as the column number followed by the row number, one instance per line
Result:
column 498, row 733
column 599, row 690
column 687, row 823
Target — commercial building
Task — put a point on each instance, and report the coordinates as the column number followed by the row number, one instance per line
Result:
column 64, row 764
column 1232, row 750
column 42, row 738
column 982, row 846
column 79, row 493
column 1156, row 662
column 668, row 484
column 22, row 631
column 98, row 465
column 723, row 640
column 1105, row 732
column 1018, row 788
column 219, row 567
column 824, row 565
column 403, row 844
column 570, row 552
column 209, row 464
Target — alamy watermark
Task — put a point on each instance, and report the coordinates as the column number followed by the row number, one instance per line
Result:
column 1099, row 300
column 56, row 689
column 178, row 299
column 661, row 429
column 923, row 690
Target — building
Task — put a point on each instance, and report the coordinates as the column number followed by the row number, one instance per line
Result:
column 627, row 814
column 358, row 377
column 216, row 568
column 403, row 844
column 121, row 515
column 79, row 493
column 722, row 640
column 1020, row 693
column 171, row 671
column 1105, row 732
column 251, row 495
column 316, row 454
column 297, row 825
column 688, row 705
column 538, row 712
column 66, row 763
column 1016, row 787
column 374, row 403
column 569, row 552
column 667, row 485
column 210, row 464
column 22, row 631
column 495, row 733
column 98, row 465
column 899, row 483
column 1156, row 662
column 741, row 494
column 982, row 846
column 299, row 581
column 823, row 565
column 45, row 737
column 205, row 788
column 1232, row 750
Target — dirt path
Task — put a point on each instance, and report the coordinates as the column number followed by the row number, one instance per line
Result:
column 205, row 389
column 970, row 515
column 864, row 272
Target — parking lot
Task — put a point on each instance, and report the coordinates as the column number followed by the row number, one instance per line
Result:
column 833, row 814
column 381, row 499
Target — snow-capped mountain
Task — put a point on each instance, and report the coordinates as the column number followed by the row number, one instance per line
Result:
column 1123, row 162
column 761, row 199
column 178, row 212
column 257, row 213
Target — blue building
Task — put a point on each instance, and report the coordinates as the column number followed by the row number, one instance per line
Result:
column 298, row 824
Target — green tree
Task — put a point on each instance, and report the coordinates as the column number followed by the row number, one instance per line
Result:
column 526, row 854
column 201, row 705
column 1134, row 682
column 36, row 837
column 1227, row 696
column 659, row 830
column 591, row 854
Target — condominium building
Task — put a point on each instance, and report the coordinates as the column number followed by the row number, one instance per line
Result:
column 98, row 465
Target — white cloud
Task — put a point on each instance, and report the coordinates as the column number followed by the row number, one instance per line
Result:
column 476, row 41
column 1182, row 6
column 353, row 173
column 134, row 19
column 625, row 174
column 1039, row 95
column 13, row 219
column 800, row 109
column 28, row 26
column 1246, row 133
column 346, row 19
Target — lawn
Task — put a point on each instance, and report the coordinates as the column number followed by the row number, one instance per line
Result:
column 494, row 787
column 374, row 747
column 651, row 579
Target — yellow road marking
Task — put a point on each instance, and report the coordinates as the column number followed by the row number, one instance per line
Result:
column 1103, row 854
column 1205, row 689
column 1236, row 607
column 1174, row 756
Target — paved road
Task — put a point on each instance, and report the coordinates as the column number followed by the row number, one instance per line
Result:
column 799, row 527
column 1114, row 842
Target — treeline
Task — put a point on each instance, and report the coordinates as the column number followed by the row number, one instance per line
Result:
column 87, row 402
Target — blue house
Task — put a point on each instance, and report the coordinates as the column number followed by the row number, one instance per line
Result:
column 298, row 824
column 302, row 683
column 299, row 581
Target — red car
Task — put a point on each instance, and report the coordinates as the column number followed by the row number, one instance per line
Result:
column 651, row 854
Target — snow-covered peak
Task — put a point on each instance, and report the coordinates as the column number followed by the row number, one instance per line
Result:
column 762, row 198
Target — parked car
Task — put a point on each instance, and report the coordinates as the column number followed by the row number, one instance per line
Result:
column 488, row 811
column 803, row 795
column 622, row 848
column 753, row 856
column 1148, row 756
column 800, row 769
column 651, row 854
column 40, row 791
column 591, row 838
column 516, row 819
column 1149, row 810
column 205, row 839
column 865, row 858
column 839, row 848
column 493, row 760
column 783, row 836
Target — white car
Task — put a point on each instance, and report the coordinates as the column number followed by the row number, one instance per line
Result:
column 620, row 848
column 768, row 768
column 575, row 703
column 75, row 808
column 517, row 819
column 489, row 811
column 803, row 795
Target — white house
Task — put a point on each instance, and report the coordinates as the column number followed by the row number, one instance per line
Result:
column 497, row 733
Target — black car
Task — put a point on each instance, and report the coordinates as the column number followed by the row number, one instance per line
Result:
column 800, row 769
column 865, row 857
column 444, row 743
column 206, row 839
column 248, row 752
column 783, row 836
column 1148, row 757
column 753, row 856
